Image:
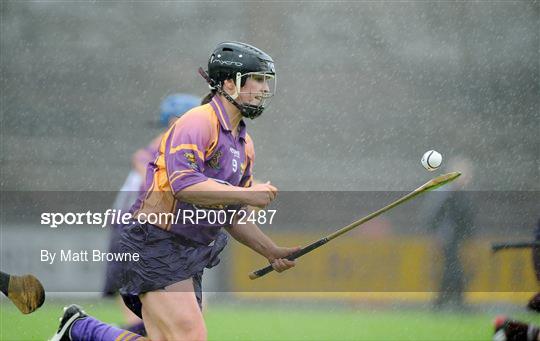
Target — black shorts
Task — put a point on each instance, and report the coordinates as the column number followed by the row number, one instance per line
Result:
column 165, row 258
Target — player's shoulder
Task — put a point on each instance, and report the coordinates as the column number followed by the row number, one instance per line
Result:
column 201, row 117
column 202, row 112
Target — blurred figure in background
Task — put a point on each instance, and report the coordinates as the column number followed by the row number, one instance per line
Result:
column 172, row 107
column 451, row 217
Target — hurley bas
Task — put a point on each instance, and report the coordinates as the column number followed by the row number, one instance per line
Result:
column 88, row 256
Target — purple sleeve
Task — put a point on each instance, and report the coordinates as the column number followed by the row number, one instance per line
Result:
column 185, row 152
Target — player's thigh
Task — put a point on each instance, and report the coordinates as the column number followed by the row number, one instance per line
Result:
column 152, row 327
column 175, row 311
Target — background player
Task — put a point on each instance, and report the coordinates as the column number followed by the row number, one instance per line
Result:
column 451, row 216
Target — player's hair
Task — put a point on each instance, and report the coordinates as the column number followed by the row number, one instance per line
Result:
column 208, row 98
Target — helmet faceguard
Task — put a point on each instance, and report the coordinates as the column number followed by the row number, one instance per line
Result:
column 260, row 99
column 242, row 62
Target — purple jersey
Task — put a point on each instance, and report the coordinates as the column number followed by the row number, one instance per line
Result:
column 197, row 147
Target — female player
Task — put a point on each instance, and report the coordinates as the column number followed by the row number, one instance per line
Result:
column 205, row 162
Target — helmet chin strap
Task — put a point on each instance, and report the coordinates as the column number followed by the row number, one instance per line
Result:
column 247, row 110
column 230, row 98
column 235, row 95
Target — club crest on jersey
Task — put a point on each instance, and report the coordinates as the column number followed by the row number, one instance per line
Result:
column 192, row 162
column 214, row 160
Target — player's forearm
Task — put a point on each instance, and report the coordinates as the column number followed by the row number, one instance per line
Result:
column 253, row 237
column 210, row 192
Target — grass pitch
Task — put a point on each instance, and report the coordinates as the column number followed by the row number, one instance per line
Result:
column 259, row 322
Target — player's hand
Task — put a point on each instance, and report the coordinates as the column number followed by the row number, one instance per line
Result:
column 261, row 195
column 278, row 260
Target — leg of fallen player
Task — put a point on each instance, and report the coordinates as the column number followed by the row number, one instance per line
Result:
column 26, row 291
column 76, row 325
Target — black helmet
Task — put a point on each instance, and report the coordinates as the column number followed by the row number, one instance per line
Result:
column 231, row 57
column 238, row 61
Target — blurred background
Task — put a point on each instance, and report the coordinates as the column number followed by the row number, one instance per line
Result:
column 363, row 90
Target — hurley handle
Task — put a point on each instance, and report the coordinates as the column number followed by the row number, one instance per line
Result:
column 263, row 271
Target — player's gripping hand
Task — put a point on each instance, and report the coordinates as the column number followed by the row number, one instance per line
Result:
column 278, row 258
column 261, row 195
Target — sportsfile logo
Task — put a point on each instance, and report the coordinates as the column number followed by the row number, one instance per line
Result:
column 109, row 217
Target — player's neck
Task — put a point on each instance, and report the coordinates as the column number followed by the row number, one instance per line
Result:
column 234, row 119
column 234, row 115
